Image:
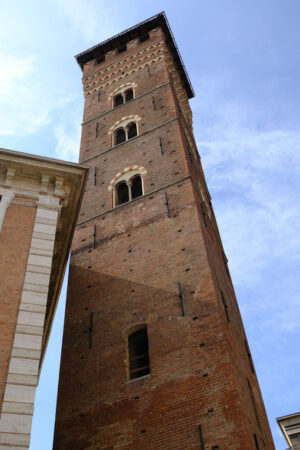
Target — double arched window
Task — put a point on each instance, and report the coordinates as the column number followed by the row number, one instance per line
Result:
column 122, row 94
column 127, row 184
column 124, row 129
column 127, row 190
column 123, row 97
column 123, row 134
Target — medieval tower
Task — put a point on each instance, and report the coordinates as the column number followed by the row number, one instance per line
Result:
column 154, row 350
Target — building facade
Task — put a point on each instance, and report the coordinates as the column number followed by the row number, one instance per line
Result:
column 39, row 202
column 290, row 428
column 154, row 350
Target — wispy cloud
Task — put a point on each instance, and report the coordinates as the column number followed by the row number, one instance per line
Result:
column 253, row 175
column 22, row 107
column 67, row 133
column 26, row 104
column 92, row 18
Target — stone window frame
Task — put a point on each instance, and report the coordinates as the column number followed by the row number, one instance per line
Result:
column 120, row 90
column 6, row 197
column 124, row 124
column 127, row 177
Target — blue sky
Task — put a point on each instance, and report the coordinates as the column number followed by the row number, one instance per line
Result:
column 243, row 61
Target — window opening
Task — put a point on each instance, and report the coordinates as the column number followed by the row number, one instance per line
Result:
column 132, row 131
column 120, row 136
column 144, row 38
column 255, row 441
column 100, row 60
column 122, row 49
column 138, row 354
column 122, row 193
column 136, row 187
column 128, row 95
column 249, row 355
column 201, row 437
column 118, row 100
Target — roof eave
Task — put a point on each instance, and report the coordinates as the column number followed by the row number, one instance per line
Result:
column 131, row 33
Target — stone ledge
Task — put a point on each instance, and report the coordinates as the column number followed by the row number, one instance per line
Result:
column 43, row 236
column 37, row 260
column 26, row 353
column 25, row 380
column 41, row 243
column 28, row 329
column 37, row 278
column 27, row 341
column 39, row 269
column 34, row 298
column 19, row 394
column 31, row 318
column 35, row 288
column 47, row 213
column 24, row 366
column 15, row 439
column 16, row 408
column 29, row 307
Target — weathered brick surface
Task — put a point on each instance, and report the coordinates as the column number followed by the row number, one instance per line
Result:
column 15, row 238
column 128, row 274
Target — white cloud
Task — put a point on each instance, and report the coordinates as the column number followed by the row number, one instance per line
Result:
column 94, row 19
column 21, row 105
column 253, row 175
column 67, row 133
column 25, row 104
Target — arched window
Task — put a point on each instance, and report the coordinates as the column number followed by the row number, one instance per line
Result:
column 136, row 187
column 131, row 130
column 128, row 95
column 124, row 95
column 128, row 186
column 125, row 133
column 138, row 353
column 122, row 192
column 120, row 136
column 118, row 100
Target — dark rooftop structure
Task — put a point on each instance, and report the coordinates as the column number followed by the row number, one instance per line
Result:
column 159, row 20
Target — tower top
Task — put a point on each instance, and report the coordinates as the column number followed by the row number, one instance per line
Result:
column 159, row 20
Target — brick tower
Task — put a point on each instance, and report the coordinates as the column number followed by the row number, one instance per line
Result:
column 154, row 350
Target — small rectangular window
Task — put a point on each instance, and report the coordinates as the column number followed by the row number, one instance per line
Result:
column 100, row 59
column 122, row 49
column 144, row 38
column 255, row 441
column 138, row 353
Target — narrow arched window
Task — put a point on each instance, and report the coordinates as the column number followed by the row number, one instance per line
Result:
column 128, row 95
column 136, row 187
column 118, row 100
column 138, row 353
column 122, row 192
column 132, row 130
column 120, row 136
